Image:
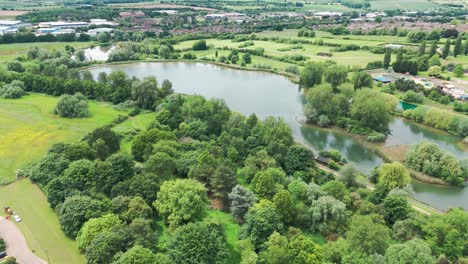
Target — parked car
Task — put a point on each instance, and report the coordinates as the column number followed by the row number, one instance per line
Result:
column 3, row 254
column 17, row 218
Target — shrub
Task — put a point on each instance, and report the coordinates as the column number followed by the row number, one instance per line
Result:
column 200, row 45
column 72, row 106
column 376, row 137
column 13, row 90
column 412, row 97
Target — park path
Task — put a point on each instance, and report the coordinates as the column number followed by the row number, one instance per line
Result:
column 16, row 244
column 415, row 204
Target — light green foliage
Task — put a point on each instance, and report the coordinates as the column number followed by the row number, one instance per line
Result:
column 267, row 183
column 435, row 71
column 141, row 255
column 161, row 164
column 181, row 201
column 95, row 226
column 393, row 175
column 336, row 75
column 335, row 189
column 447, row 234
column 362, row 79
column 348, row 175
column 285, row 206
column 412, row 97
column 13, row 90
column 412, row 252
column 459, row 71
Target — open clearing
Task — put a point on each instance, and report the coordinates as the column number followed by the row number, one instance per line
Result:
column 39, row 224
column 12, row 51
column 29, row 128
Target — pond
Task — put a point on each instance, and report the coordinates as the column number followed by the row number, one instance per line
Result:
column 267, row 94
column 98, row 53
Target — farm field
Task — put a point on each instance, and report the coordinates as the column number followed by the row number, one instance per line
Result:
column 412, row 5
column 39, row 225
column 12, row 51
column 29, row 128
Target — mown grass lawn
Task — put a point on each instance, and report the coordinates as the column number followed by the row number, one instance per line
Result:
column 29, row 127
column 12, row 51
column 39, row 224
column 140, row 122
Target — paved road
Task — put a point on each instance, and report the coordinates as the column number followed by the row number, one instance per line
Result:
column 16, row 244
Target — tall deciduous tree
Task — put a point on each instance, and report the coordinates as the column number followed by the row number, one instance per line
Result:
column 364, row 227
column 181, row 201
column 144, row 92
column 422, row 48
column 412, row 252
column 458, row 49
column 387, row 58
column 336, row 75
column 311, row 75
column 393, row 175
column 446, row 49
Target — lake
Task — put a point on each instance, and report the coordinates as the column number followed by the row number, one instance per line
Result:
column 267, row 94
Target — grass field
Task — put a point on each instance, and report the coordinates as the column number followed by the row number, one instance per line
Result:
column 29, row 128
column 413, row 5
column 140, row 121
column 39, row 223
column 12, row 51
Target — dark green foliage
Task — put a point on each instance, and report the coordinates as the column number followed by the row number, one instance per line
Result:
column 142, row 145
column 362, row 79
column 76, row 210
column 298, row 158
column 387, row 58
column 261, row 221
column 108, row 136
column 198, row 243
column 396, row 208
column 200, row 45
column 446, row 49
column 362, row 228
column 311, row 75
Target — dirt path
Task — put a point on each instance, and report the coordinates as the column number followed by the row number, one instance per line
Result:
column 16, row 244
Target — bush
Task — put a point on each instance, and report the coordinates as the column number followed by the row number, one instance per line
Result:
column 323, row 121
column 13, row 90
column 72, row 106
column 412, row 97
column 200, row 45
column 293, row 69
column 376, row 137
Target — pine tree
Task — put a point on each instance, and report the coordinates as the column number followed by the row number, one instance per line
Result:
column 458, row 46
column 446, row 50
column 433, row 49
column 422, row 48
column 387, row 58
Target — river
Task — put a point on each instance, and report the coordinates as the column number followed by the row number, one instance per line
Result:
column 267, row 94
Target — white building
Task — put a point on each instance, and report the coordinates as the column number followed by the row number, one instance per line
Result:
column 328, row 14
column 94, row 32
column 14, row 23
column 214, row 16
column 63, row 24
column 102, row 22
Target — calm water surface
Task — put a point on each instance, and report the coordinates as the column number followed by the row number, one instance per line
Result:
column 267, row 94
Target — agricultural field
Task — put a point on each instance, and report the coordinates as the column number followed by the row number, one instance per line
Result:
column 413, row 5
column 40, row 224
column 29, row 128
column 12, row 51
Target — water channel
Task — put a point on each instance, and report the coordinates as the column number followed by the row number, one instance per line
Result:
column 267, row 94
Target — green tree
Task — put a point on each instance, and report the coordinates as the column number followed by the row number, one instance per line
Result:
column 298, row 158
column 161, row 164
column 371, row 110
column 137, row 208
column 422, row 48
column 110, row 138
column 267, row 183
column 200, row 45
column 198, row 243
column 435, row 71
column 363, row 227
column 76, row 210
column 412, row 252
column 141, row 255
column 446, row 49
column 241, row 199
column 221, row 182
column 285, row 206
column 387, row 58
column 433, row 49
column 348, row 175
column 95, row 226
column 362, row 79
column 181, row 201
column 144, row 92
column 328, row 215
column 311, row 74
column 303, row 250
column 459, row 71
column 261, row 221
column 336, row 75
column 336, row 189
column 458, row 49
column 105, row 245
column 247, row 58
column 72, row 106
column 164, row 52
column 396, row 208
column 393, row 175
column 447, row 234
